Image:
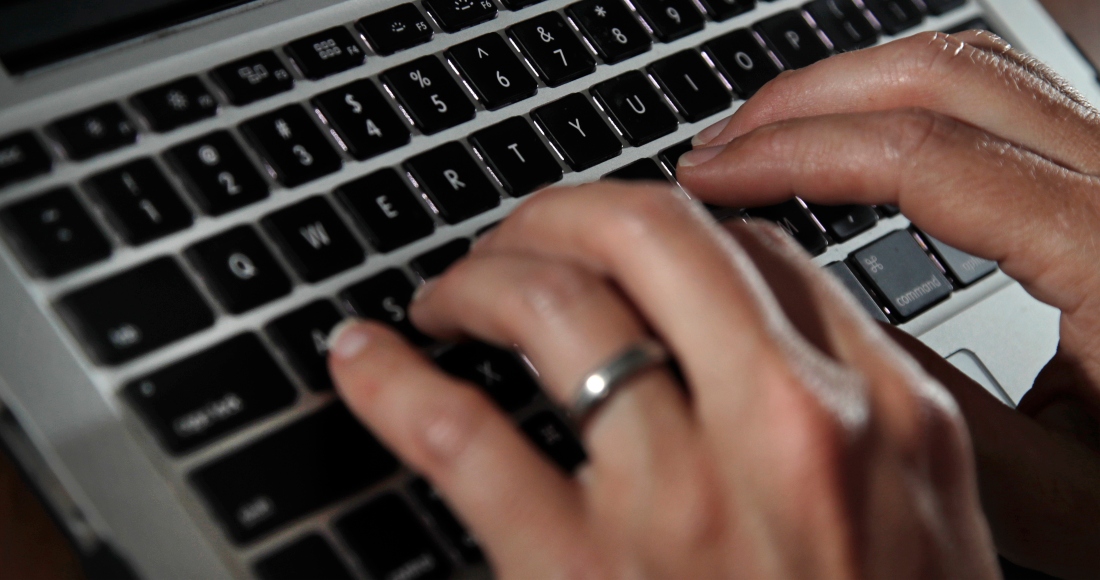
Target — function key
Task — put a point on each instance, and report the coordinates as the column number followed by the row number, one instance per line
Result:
column 670, row 19
column 518, row 4
column 54, row 233
column 99, row 130
column 746, row 65
column 791, row 216
column 578, row 131
column 294, row 149
column 855, row 288
column 431, row 264
column 22, row 157
column 217, row 173
column 458, row 188
column 207, row 395
column 943, row 6
column 385, row 297
column 396, row 29
column 844, row 221
column 690, row 83
column 901, row 274
column 239, row 270
column 896, row 16
column 314, row 239
column 552, row 48
column 390, row 541
column 429, row 94
column 644, row 169
column 303, row 336
column 792, row 39
column 454, row 15
column 309, row 557
column 138, row 311
column 306, row 466
column 964, row 267
column 446, row 521
column 726, row 9
column 326, row 53
column 611, row 27
column 497, row 76
column 253, row 78
column 176, row 104
column 363, row 120
column 844, row 23
column 140, row 202
column 500, row 373
column 517, row 156
column 386, row 207
column 635, row 107
column 555, row 440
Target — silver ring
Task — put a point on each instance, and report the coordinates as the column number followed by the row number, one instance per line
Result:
column 600, row 384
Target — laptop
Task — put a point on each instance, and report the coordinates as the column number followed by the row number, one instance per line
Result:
column 193, row 193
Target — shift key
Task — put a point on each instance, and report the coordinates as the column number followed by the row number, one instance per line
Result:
column 901, row 274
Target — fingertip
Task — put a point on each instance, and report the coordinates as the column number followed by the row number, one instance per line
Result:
column 710, row 133
column 348, row 339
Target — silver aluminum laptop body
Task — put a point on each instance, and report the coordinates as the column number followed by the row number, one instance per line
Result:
column 95, row 459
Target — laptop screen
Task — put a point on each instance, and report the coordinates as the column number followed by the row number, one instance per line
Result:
column 34, row 33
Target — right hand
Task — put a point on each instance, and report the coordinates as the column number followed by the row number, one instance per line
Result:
column 991, row 152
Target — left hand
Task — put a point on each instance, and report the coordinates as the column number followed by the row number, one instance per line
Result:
column 805, row 444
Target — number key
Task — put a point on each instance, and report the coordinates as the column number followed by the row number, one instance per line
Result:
column 553, row 49
column 670, row 19
column 726, row 9
column 498, row 77
column 292, row 146
column 611, row 28
column 140, row 201
column 218, row 173
column 429, row 94
column 366, row 123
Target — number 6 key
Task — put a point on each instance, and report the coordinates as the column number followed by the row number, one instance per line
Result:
column 497, row 76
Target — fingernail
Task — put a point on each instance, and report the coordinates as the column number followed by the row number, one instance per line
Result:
column 348, row 339
column 424, row 289
column 699, row 156
column 707, row 135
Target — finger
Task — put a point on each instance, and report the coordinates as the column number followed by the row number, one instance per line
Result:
column 985, row 196
column 943, row 74
column 527, row 514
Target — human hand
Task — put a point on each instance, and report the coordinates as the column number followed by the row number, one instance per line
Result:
column 805, row 444
column 989, row 151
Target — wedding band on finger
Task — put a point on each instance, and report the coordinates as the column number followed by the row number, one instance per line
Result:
column 598, row 386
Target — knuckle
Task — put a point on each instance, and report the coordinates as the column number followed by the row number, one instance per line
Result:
column 550, row 289
column 445, row 431
column 692, row 516
column 914, row 131
column 643, row 213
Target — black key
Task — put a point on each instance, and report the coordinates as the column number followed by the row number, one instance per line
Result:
column 553, row 438
column 326, row 53
column 790, row 216
column 303, row 337
column 99, row 130
column 670, row 156
column 387, row 209
column 691, row 84
column 518, row 4
column 176, row 104
column 314, row 239
column 670, row 19
column 446, row 521
column 635, row 107
column 212, row 393
column 364, row 121
column 743, row 61
column 252, row 78
column 844, row 23
column 391, row 542
column 22, row 157
column 644, row 169
column 140, row 202
column 855, row 287
column 901, row 274
column 973, row 24
column 576, row 129
column 493, row 70
column 726, row 9
column 54, row 233
column 611, row 28
column 306, row 466
column 429, row 95
column 239, row 270
column 498, row 372
column 454, row 15
column 895, row 16
column 293, row 148
column 943, row 6
column 399, row 28
column 517, row 156
column 844, row 221
column 792, row 39
column 888, row 210
column 964, row 268
column 431, row 264
column 218, row 174
column 136, row 312
column 458, row 188
column 385, row 297
column 552, row 48
column 310, row 557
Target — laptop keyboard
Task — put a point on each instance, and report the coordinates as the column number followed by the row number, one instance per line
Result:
column 275, row 480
